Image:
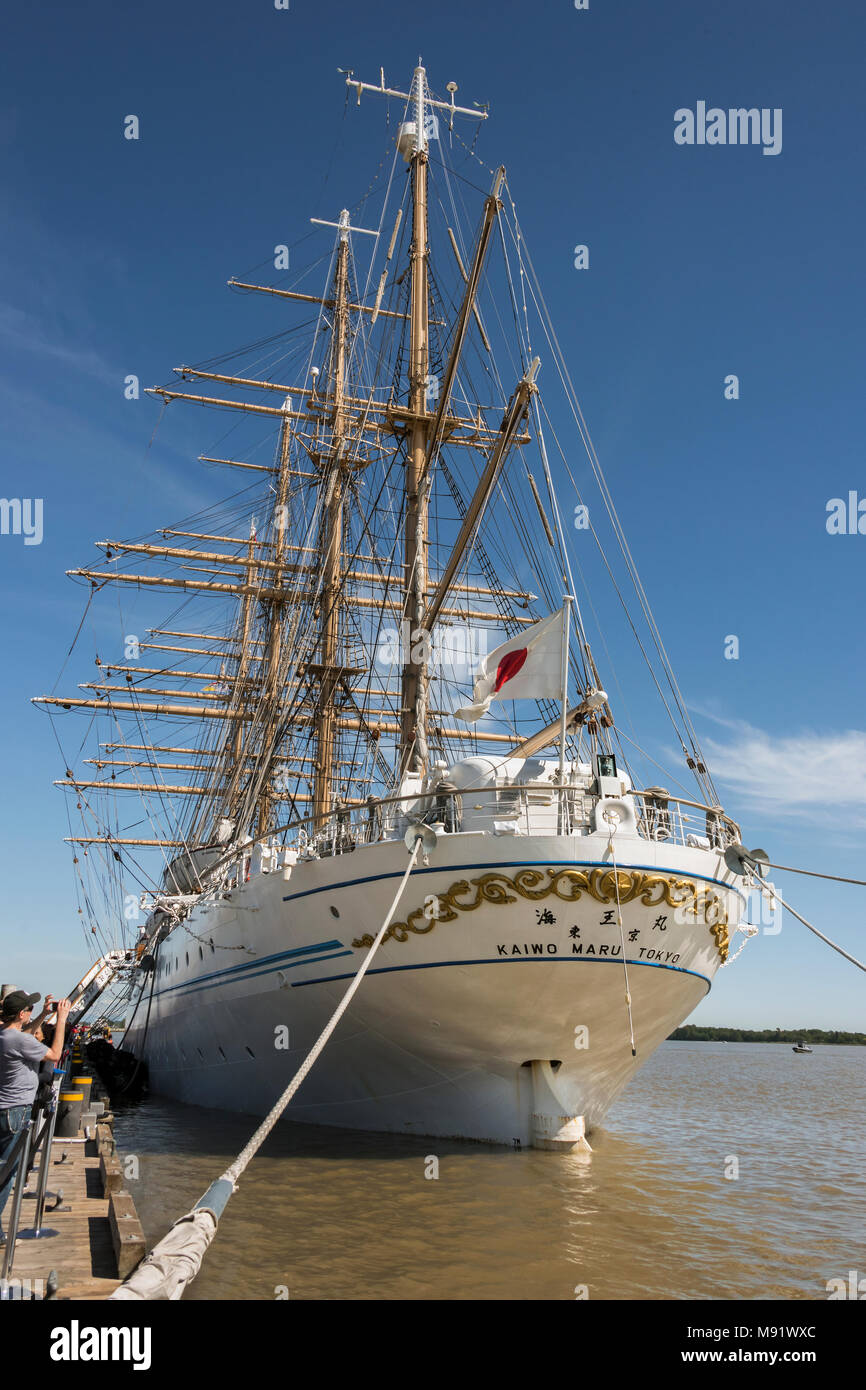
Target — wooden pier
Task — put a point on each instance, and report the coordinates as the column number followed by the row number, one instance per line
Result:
column 98, row 1239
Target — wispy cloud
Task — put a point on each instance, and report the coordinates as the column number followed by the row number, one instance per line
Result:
column 796, row 774
column 23, row 332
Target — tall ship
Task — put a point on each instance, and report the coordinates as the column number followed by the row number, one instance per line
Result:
column 383, row 635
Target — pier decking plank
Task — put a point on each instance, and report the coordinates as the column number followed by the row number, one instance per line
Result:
column 82, row 1252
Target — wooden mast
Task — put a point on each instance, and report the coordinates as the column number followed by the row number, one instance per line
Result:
column 236, row 760
column 254, row 700
column 413, row 734
column 332, row 545
column 274, row 646
column 244, row 656
column 414, row 683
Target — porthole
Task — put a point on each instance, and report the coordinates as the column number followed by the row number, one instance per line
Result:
column 200, row 953
column 211, row 943
column 187, row 957
column 221, row 1053
column 334, row 911
column 252, row 1054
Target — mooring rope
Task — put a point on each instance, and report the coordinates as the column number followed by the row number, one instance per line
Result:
column 233, row 1173
column 175, row 1260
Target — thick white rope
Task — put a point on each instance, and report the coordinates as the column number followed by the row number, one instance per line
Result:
column 233, row 1173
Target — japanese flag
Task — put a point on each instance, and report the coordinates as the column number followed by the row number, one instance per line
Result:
column 528, row 667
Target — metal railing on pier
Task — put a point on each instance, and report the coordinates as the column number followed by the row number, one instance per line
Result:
column 34, row 1139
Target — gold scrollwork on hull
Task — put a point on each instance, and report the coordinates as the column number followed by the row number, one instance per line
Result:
column 699, row 904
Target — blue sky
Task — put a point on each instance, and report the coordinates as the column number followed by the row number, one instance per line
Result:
column 704, row 261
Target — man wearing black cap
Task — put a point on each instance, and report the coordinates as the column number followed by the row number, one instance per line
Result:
column 20, row 1058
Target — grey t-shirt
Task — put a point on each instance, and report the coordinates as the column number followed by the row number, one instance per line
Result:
column 20, row 1056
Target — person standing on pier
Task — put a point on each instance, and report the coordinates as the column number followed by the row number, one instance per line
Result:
column 20, row 1059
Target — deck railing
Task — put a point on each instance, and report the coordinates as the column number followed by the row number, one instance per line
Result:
column 541, row 808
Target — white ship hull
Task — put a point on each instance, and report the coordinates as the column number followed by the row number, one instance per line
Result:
column 454, row 1023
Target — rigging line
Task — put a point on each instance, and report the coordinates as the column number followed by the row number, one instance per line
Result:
column 563, row 557
column 527, row 350
column 152, row 820
column 385, row 201
column 551, row 492
column 135, row 1010
column 478, row 550
column 134, row 1074
column 524, row 345
column 550, row 333
column 156, row 426
column 74, row 640
column 77, row 875
column 257, row 343
column 644, row 754
column 610, row 817
column 375, row 642
column 269, row 260
column 503, row 487
column 470, row 152
column 452, row 173
column 644, row 602
column 620, row 596
column 133, row 691
column 611, row 666
column 812, row 873
column 522, row 274
column 756, row 882
column 265, row 718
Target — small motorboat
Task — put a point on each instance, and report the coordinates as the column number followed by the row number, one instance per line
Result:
column 801, row 1047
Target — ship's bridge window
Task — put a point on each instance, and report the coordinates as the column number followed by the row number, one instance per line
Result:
column 606, row 765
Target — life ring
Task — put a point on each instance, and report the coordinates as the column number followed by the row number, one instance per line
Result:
column 615, row 814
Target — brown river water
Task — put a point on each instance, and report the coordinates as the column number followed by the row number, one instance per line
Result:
column 330, row 1214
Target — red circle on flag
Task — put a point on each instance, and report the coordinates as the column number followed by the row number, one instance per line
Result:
column 509, row 666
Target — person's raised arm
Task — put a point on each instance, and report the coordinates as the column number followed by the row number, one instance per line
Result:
column 55, row 1051
column 36, row 1023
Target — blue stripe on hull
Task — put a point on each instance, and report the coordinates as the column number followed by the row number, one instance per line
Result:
column 193, row 988
column 511, row 960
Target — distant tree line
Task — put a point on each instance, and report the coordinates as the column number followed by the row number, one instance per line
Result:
column 693, row 1032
